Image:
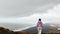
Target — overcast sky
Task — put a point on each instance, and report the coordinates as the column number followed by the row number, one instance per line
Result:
column 28, row 11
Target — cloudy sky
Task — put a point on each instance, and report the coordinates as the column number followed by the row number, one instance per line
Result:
column 28, row 11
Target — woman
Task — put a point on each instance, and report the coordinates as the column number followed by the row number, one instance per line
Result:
column 39, row 26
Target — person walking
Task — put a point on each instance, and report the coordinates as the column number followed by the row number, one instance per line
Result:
column 39, row 26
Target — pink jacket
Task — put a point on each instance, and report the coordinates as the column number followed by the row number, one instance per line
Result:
column 39, row 24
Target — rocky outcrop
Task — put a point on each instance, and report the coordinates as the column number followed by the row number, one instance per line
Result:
column 5, row 31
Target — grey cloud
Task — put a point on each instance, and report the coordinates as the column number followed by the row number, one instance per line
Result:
column 11, row 8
